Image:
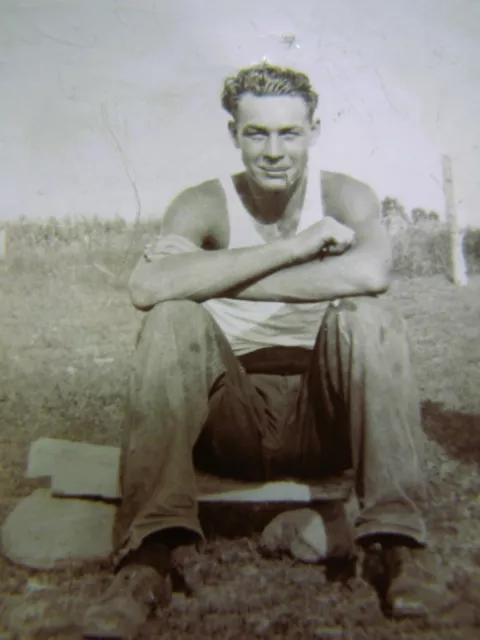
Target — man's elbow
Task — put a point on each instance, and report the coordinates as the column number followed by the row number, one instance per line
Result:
column 140, row 301
column 141, row 298
column 378, row 278
column 379, row 285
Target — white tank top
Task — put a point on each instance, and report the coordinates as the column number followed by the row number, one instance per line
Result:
column 250, row 325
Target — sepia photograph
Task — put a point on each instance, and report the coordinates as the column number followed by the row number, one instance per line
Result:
column 239, row 319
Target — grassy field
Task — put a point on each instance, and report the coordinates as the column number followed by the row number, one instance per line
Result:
column 67, row 332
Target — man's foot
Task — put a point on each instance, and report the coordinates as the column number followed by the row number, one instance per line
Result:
column 186, row 569
column 136, row 591
column 414, row 586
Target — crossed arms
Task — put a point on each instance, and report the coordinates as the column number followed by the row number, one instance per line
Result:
column 285, row 270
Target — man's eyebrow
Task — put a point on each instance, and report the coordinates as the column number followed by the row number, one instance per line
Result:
column 294, row 128
column 261, row 129
column 255, row 127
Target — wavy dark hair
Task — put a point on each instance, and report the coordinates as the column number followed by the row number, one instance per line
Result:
column 267, row 80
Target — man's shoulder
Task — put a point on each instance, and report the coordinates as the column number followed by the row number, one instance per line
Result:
column 202, row 194
column 199, row 212
column 341, row 184
column 343, row 194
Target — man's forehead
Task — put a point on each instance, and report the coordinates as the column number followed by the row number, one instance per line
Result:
column 272, row 111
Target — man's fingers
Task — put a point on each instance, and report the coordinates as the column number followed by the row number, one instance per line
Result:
column 335, row 249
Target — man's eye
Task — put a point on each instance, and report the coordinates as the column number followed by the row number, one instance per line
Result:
column 291, row 135
column 255, row 135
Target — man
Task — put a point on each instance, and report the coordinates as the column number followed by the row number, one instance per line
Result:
column 266, row 351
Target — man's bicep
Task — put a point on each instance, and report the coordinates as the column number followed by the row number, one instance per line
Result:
column 372, row 249
column 359, row 209
column 371, row 232
column 193, row 221
column 199, row 214
column 360, row 205
column 181, row 232
column 182, row 218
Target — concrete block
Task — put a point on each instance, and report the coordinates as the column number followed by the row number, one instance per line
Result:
column 46, row 532
column 76, row 468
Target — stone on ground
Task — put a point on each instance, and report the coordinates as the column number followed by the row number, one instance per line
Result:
column 310, row 535
column 301, row 532
column 76, row 468
column 46, row 532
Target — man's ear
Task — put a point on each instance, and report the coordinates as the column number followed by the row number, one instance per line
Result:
column 315, row 131
column 232, row 127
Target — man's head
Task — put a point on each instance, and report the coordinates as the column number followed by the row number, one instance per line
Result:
column 273, row 123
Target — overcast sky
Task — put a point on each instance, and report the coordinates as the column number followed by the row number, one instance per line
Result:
column 96, row 94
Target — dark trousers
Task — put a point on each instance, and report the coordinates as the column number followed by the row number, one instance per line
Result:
column 191, row 403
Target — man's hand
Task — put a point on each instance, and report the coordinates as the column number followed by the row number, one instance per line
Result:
column 328, row 237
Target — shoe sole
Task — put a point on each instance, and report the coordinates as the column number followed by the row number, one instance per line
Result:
column 100, row 635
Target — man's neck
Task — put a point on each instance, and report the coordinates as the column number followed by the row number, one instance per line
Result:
column 273, row 207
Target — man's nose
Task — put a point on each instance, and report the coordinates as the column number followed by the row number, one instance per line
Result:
column 273, row 149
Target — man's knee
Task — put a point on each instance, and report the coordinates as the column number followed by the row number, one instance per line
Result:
column 367, row 313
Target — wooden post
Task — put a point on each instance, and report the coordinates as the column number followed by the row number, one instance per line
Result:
column 3, row 243
column 458, row 262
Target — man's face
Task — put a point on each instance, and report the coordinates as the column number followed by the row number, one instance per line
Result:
column 274, row 134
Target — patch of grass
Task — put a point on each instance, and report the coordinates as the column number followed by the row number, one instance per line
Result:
column 110, row 248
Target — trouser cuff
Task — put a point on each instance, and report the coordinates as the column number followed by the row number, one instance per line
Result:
column 136, row 536
column 368, row 532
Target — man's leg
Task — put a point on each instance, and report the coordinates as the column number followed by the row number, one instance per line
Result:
column 359, row 409
column 181, row 364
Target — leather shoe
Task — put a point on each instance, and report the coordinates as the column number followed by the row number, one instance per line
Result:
column 414, row 587
column 134, row 594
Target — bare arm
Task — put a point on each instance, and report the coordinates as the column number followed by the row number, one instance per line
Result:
column 202, row 274
column 361, row 270
column 283, row 270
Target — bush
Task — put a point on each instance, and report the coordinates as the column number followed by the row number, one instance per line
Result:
column 425, row 251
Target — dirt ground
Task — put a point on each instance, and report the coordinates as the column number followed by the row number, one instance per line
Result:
column 66, row 337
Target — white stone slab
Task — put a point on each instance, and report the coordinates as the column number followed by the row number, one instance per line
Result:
column 76, row 468
column 45, row 532
column 214, row 489
column 268, row 492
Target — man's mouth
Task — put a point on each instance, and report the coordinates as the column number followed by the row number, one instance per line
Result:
column 274, row 170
